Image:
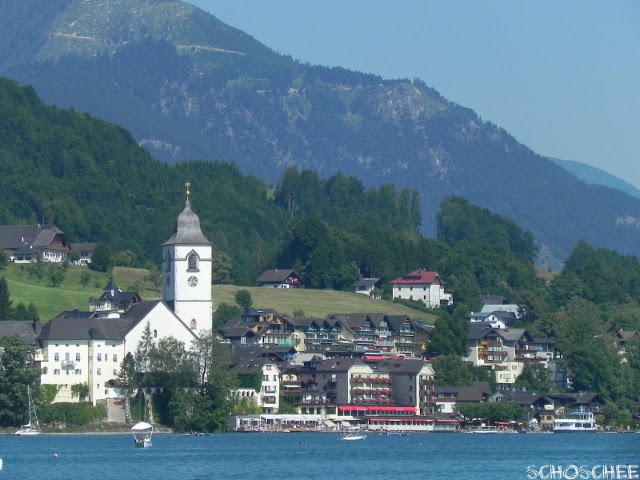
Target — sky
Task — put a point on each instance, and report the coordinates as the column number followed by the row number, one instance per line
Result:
column 562, row 77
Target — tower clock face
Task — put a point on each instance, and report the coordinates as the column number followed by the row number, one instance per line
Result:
column 192, row 281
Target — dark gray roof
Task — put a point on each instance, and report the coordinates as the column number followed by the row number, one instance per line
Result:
column 278, row 275
column 27, row 331
column 366, row 282
column 83, row 247
column 87, row 326
column 410, row 366
column 187, row 229
column 13, row 237
column 339, row 364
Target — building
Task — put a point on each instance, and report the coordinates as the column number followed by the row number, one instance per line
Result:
column 187, row 271
column 85, row 348
column 424, row 286
column 366, row 286
column 279, row 278
column 27, row 243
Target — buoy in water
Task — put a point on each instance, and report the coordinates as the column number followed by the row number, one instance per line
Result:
column 55, row 455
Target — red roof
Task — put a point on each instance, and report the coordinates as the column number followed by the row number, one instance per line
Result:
column 418, row 277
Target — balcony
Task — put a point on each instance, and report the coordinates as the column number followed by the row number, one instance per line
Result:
column 68, row 364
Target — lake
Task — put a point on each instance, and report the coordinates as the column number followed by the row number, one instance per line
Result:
column 290, row 456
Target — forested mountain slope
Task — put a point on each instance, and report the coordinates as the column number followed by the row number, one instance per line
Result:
column 188, row 86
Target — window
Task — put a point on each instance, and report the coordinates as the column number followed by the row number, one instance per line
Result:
column 78, row 371
column 115, row 357
column 67, row 357
column 45, row 370
column 115, row 371
column 193, row 324
column 265, row 378
column 99, row 357
column 192, row 261
column 155, row 334
column 56, row 371
column 56, row 357
column 77, row 357
column 99, row 372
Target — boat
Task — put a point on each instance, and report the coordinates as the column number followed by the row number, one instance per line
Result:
column 579, row 421
column 33, row 426
column 485, row 429
column 142, row 433
column 351, row 437
column 393, row 434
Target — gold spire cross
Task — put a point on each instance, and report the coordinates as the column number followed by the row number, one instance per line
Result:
column 188, row 185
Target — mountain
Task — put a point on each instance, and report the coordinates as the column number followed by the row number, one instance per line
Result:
column 188, row 86
column 594, row 176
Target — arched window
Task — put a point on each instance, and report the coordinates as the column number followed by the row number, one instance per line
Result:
column 193, row 324
column 192, row 261
column 155, row 334
column 168, row 261
column 45, row 370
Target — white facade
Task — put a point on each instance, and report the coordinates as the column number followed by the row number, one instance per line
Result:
column 431, row 295
column 65, row 363
column 187, row 272
column 269, row 398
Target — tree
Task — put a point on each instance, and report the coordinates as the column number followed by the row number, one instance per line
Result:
column 243, row 298
column 154, row 276
column 20, row 312
column 17, row 370
column 223, row 314
column 56, row 275
column 101, row 258
column 84, row 279
column 6, row 309
column 3, row 259
column 143, row 350
column 80, row 390
column 535, row 378
column 128, row 382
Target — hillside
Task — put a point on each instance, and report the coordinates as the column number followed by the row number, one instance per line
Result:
column 188, row 86
column 71, row 295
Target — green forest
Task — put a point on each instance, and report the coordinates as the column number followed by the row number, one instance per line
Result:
column 93, row 181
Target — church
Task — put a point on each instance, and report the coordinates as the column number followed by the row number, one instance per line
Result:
column 88, row 347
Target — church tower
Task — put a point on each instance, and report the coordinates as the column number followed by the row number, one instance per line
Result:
column 187, row 270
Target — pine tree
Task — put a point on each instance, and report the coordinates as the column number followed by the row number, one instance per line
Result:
column 6, row 310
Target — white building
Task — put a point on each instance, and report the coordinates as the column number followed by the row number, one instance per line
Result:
column 88, row 347
column 424, row 286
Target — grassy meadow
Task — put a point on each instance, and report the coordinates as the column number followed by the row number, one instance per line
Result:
column 25, row 288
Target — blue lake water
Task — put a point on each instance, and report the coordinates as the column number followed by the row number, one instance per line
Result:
column 258, row 456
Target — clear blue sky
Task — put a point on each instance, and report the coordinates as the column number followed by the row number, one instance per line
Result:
column 562, row 76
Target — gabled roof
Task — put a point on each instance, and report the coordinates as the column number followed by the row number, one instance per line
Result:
column 419, row 277
column 406, row 366
column 82, row 247
column 366, row 282
column 339, row 364
column 493, row 300
column 14, row 237
column 397, row 321
column 278, row 275
column 26, row 331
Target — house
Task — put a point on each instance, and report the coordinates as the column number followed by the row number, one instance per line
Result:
column 497, row 319
column 26, row 331
column 84, row 252
column 268, row 397
column 366, row 286
column 259, row 327
column 279, row 278
column 85, row 348
column 424, row 286
column 25, row 243
column 113, row 299
column 448, row 397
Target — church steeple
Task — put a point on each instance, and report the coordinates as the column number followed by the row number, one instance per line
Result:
column 187, row 226
column 187, row 270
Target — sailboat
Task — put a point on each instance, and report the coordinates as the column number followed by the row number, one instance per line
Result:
column 33, row 426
